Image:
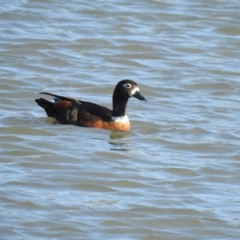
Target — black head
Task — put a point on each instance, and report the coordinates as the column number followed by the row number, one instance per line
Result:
column 127, row 89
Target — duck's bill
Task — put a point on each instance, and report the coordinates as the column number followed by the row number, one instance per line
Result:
column 139, row 96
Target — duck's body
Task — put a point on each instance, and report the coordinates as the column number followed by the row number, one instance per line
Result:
column 86, row 114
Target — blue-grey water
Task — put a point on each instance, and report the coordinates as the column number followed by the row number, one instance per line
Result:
column 176, row 174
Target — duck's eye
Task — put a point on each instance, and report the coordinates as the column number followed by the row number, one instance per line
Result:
column 127, row 85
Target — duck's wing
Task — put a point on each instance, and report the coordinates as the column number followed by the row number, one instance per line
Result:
column 58, row 97
column 75, row 111
column 88, row 111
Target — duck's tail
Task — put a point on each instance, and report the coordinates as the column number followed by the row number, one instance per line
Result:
column 47, row 106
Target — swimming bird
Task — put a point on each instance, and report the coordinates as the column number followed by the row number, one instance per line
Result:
column 74, row 111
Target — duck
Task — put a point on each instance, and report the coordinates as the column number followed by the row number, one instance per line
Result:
column 67, row 110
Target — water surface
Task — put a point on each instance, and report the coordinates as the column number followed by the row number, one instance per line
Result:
column 175, row 175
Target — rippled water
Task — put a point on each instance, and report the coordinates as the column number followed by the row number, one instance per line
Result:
column 176, row 174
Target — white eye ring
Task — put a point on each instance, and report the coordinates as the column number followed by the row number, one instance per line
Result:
column 127, row 85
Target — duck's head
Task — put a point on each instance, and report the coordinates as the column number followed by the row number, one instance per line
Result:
column 128, row 89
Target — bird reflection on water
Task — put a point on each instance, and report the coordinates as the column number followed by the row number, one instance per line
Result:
column 119, row 141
